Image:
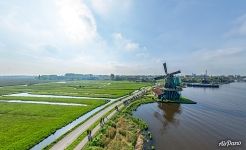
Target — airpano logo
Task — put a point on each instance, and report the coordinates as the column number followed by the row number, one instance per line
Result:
column 228, row 143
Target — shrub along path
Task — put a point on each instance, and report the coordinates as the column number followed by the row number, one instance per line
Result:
column 95, row 130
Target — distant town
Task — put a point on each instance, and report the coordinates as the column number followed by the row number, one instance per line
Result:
column 193, row 78
column 142, row 78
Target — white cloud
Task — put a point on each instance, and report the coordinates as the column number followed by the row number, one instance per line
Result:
column 106, row 8
column 77, row 20
column 58, row 36
column 228, row 60
column 124, row 43
column 118, row 36
column 56, row 22
column 218, row 54
column 131, row 46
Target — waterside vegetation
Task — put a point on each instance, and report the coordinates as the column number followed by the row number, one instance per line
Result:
column 123, row 130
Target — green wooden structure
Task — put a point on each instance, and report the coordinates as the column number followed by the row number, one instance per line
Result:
column 172, row 89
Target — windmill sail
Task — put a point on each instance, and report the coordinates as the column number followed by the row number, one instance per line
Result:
column 171, row 90
column 165, row 67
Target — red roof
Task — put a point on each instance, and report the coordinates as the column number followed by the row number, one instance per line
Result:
column 157, row 91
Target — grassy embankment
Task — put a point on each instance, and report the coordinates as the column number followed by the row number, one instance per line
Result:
column 122, row 131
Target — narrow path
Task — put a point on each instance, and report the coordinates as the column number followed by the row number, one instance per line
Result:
column 73, row 135
column 94, row 131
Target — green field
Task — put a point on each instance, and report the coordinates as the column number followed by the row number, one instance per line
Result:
column 89, row 88
column 24, row 125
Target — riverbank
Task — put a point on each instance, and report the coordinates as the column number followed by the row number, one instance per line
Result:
column 123, row 131
column 219, row 113
column 182, row 100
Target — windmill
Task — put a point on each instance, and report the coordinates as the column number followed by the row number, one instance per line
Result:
column 171, row 89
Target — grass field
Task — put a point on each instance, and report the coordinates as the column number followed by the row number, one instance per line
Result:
column 89, row 88
column 24, row 125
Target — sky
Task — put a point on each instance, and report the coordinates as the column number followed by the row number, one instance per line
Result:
column 130, row 37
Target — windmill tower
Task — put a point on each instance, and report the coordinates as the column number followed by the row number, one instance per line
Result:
column 171, row 89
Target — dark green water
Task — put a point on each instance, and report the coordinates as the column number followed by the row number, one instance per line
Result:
column 220, row 114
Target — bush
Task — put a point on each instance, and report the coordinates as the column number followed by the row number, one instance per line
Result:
column 122, row 132
column 111, row 133
column 97, row 141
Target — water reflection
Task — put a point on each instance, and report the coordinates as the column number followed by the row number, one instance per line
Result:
column 219, row 114
column 168, row 114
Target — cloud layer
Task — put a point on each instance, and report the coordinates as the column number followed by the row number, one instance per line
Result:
column 122, row 37
column 59, row 37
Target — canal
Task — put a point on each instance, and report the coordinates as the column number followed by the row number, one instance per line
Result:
column 219, row 115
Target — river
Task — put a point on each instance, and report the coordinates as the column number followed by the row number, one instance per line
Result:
column 219, row 115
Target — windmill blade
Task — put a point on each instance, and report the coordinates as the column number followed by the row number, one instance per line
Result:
column 160, row 77
column 176, row 72
column 165, row 67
